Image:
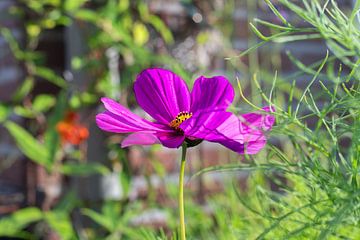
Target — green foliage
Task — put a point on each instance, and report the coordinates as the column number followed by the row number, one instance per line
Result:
column 113, row 26
column 70, row 6
column 124, row 26
column 42, row 103
column 13, row 225
column 77, row 169
column 116, row 221
column 24, row 89
column 3, row 113
column 32, row 148
column 60, row 221
column 314, row 165
column 49, row 75
column 318, row 199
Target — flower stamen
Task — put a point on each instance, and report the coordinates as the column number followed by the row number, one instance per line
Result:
column 181, row 117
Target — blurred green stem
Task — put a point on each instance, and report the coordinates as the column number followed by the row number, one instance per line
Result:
column 181, row 192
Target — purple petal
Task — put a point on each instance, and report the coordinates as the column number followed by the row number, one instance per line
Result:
column 242, row 135
column 239, row 136
column 214, row 93
column 162, row 94
column 204, row 123
column 171, row 140
column 119, row 119
column 260, row 120
column 140, row 138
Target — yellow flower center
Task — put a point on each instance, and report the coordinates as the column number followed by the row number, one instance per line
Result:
column 181, row 117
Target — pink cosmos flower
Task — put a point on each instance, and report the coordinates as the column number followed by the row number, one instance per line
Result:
column 181, row 115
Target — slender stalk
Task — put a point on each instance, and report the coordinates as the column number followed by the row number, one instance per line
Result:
column 181, row 192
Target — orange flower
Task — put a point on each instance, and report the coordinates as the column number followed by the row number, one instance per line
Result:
column 70, row 131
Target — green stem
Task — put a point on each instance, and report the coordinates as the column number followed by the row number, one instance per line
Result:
column 181, row 192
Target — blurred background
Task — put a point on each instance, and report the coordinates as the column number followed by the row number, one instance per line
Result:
column 58, row 57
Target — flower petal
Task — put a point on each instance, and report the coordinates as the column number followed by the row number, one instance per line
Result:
column 140, row 138
column 242, row 135
column 119, row 119
column 260, row 120
column 171, row 140
column 162, row 94
column 215, row 93
column 204, row 123
column 239, row 136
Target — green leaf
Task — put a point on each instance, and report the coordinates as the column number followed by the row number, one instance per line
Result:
column 33, row 30
column 99, row 219
column 19, row 54
column 24, row 112
column 13, row 43
column 123, row 5
column 61, row 223
column 24, row 89
column 28, row 144
column 141, row 34
column 43, row 102
column 160, row 26
column 83, row 169
column 86, row 15
column 68, row 202
column 4, row 112
column 88, row 98
column 75, row 101
column 50, row 75
column 77, row 63
column 71, row 5
column 277, row 13
column 11, row 225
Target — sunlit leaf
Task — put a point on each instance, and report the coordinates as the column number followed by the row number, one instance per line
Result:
column 123, row 5
column 28, row 144
column 43, row 102
column 61, row 223
column 76, row 63
column 11, row 225
column 86, row 15
column 71, row 5
column 99, row 219
column 141, row 34
column 75, row 101
column 88, row 98
column 24, row 112
column 50, row 75
column 161, row 27
column 24, row 89
column 3, row 112
column 33, row 30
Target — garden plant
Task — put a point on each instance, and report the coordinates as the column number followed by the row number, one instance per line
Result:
column 299, row 154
